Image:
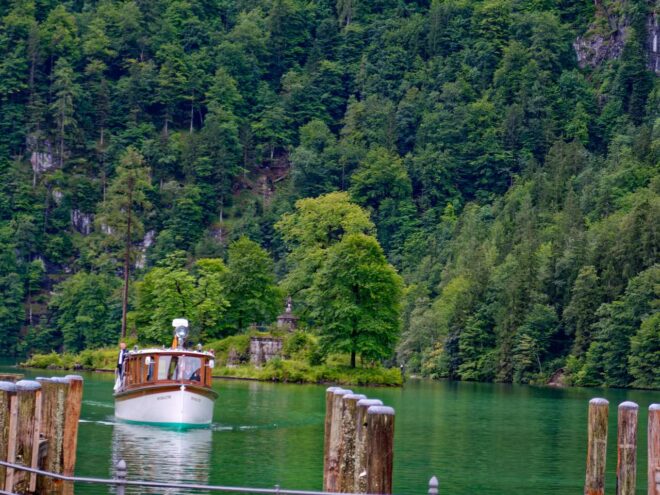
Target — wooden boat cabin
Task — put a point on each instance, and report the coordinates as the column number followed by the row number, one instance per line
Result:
column 167, row 366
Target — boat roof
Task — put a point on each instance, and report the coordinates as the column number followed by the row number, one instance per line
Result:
column 160, row 350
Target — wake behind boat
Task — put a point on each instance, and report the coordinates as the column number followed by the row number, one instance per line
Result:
column 170, row 387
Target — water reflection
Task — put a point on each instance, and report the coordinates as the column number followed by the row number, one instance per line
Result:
column 158, row 454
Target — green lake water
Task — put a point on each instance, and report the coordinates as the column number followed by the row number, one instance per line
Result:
column 476, row 438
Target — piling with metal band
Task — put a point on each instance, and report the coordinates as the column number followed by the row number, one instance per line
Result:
column 26, row 439
column 360, row 469
column 349, row 427
column 329, row 395
column 53, row 411
column 331, row 467
column 380, row 449
column 7, row 396
column 654, row 450
column 597, row 447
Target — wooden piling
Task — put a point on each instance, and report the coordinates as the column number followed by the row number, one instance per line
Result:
column 380, row 449
column 597, row 447
column 360, row 468
column 349, row 427
column 626, row 467
column 331, row 467
column 54, row 394
column 329, row 395
column 653, row 450
column 7, row 395
column 24, row 446
column 71, row 419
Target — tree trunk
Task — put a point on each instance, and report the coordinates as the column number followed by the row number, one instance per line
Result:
column 352, row 359
column 127, row 265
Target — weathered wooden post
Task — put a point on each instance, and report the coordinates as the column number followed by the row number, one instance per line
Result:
column 653, row 450
column 61, row 405
column 597, row 447
column 331, row 467
column 360, row 469
column 7, row 399
column 349, row 430
column 24, row 446
column 380, row 449
column 71, row 419
column 329, row 396
column 626, row 466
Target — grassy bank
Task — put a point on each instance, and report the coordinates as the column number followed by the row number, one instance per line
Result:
column 286, row 371
column 300, row 363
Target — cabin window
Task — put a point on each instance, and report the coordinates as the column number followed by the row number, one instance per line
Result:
column 163, row 367
column 150, row 362
column 172, row 370
column 191, row 368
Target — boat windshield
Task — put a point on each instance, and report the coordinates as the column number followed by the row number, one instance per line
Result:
column 190, row 368
column 179, row 368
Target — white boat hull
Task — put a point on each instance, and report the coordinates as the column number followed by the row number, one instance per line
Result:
column 179, row 405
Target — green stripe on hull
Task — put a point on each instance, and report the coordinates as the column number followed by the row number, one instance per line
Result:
column 168, row 426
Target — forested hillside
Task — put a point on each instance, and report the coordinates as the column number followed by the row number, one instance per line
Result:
column 505, row 154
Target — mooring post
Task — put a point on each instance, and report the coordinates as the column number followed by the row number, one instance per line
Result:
column 121, row 472
column 71, row 419
column 360, row 469
column 380, row 449
column 53, row 405
column 7, row 396
column 433, row 486
column 349, row 427
column 25, row 446
column 597, row 447
column 653, row 450
column 331, row 468
column 329, row 395
column 626, row 466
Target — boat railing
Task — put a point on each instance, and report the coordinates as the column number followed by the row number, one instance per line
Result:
column 120, row 482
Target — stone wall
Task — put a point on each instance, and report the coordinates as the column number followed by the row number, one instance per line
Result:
column 263, row 349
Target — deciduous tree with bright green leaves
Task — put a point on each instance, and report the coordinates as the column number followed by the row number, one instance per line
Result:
column 308, row 232
column 252, row 293
column 356, row 300
column 86, row 308
column 173, row 290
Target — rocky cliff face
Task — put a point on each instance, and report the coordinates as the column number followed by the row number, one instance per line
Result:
column 654, row 42
column 605, row 38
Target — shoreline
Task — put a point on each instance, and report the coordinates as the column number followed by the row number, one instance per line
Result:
column 272, row 377
column 329, row 382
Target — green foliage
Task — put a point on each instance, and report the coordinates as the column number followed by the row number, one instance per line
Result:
column 174, row 291
column 315, row 226
column 356, row 299
column 299, row 372
column 644, row 355
column 504, row 182
column 251, row 292
column 87, row 310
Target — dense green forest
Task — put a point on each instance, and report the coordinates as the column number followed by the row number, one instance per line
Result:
column 479, row 206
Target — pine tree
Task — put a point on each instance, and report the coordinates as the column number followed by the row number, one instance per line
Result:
column 120, row 216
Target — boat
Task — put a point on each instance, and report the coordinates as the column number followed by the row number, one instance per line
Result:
column 167, row 386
